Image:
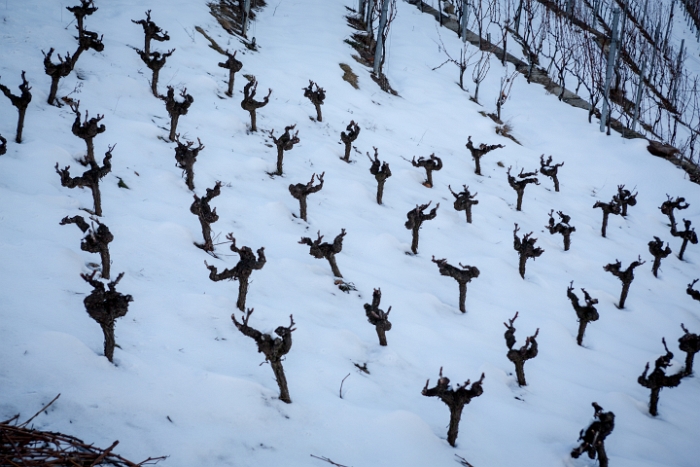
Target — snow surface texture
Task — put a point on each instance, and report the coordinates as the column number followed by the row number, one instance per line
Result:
column 188, row 385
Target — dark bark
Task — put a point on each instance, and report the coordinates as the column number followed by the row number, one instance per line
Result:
column 155, row 61
column 464, row 201
column 151, row 32
column 562, row 228
column 656, row 248
column 21, row 102
column 233, row 66
column 241, row 271
column 692, row 292
column 284, row 143
column 523, row 354
column 613, row 207
column 86, row 8
column 593, row 438
column 316, row 96
column 525, row 178
column 549, row 170
column 86, row 41
column 86, row 130
column 658, row 379
column 105, row 306
column 353, row 131
column 416, row 217
column 175, row 108
column 90, row 179
column 185, row 157
column 432, row 164
column 300, row 191
column 200, row 208
column 455, row 399
column 274, row 348
column 96, row 241
column 326, row 250
column 525, row 248
column 626, row 276
column 690, row 344
column 377, row 317
column 585, row 314
column 625, row 198
column 688, row 235
column 477, row 153
column 380, row 174
column 3, row 145
column 56, row 71
column 668, row 206
column 250, row 104
column 462, row 276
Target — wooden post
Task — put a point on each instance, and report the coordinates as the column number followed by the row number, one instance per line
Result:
column 605, row 113
column 378, row 52
column 638, row 101
column 246, row 17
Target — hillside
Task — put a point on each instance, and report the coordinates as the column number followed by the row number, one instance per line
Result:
column 187, row 384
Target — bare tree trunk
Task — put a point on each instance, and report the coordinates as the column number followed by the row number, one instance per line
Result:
column 689, row 357
column 414, row 242
column 96, row 199
column 567, row 242
column 381, row 333
column 104, row 256
column 242, row 293
column 429, row 175
column 380, row 191
column 206, row 233
column 280, row 159
column 657, row 264
column 173, row 126
column 54, row 89
column 154, row 82
column 462, row 296
column 90, row 149
column 519, row 204
column 334, row 267
column 521, row 265
column 231, row 77
column 469, row 213
column 602, row 455
column 623, row 295
column 281, row 381
column 110, row 343
column 581, row 329
column 253, row 121
column 20, row 125
column 477, row 162
column 683, row 245
column 319, row 116
column 605, row 223
column 520, row 373
column 453, row 430
column 302, row 212
column 654, row 401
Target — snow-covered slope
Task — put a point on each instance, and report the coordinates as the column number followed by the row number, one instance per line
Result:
column 188, row 385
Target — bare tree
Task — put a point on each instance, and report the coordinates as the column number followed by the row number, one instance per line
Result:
column 274, row 348
column 300, row 191
column 151, row 32
column 549, row 170
column 326, row 250
column 241, row 271
column 416, row 217
column 656, row 248
column 626, row 276
column 250, row 104
column 377, row 317
column 464, row 201
column 593, row 438
column 524, row 353
column 507, row 82
column 96, row 241
column 155, row 61
column 625, row 198
column 175, row 108
column 690, row 344
column 21, row 102
column 233, row 66
column 477, row 153
column 455, row 399
column 525, row 178
column 316, row 96
column 613, row 207
column 105, row 306
column 285, row 142
column 87, row 129
column 434, row 163
column 671, row 204
column 3, row 145
column 692, row 292
column 525, row 248
column 86, row 8
column 585, row 314
column 380, row 174
column 353, row 131
column 479, row 72
column 561, row 227
column 688, row 235
column 200, row 208
column 462, row 276
column 185, row 157
column 56, row 71
column 658, row 379
column 87, row 40
column 90, row 179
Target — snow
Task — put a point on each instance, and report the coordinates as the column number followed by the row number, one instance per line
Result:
column 188, row 385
